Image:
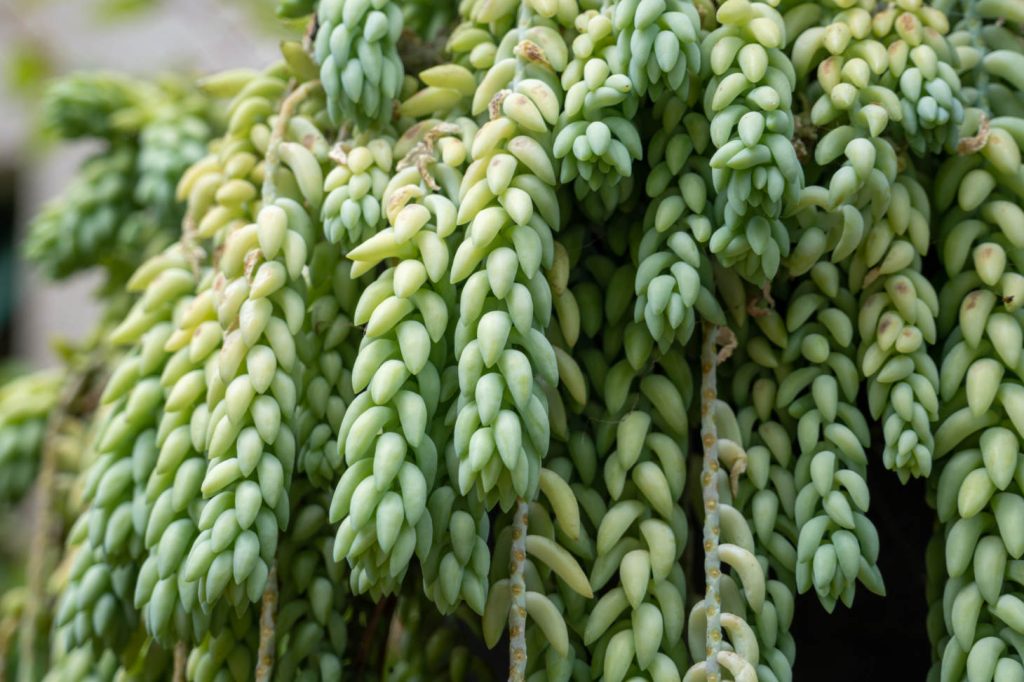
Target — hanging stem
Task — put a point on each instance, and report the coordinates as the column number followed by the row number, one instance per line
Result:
column 268, row 607
column 709, row 485
column 273, row 158
column 517, row 562
column 42, row 532
column 180, row 661
column 383, row 608
column 517, row 588
column 268, row 628
column 309, row 36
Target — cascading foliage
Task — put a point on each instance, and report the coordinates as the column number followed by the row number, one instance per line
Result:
column 577, row 327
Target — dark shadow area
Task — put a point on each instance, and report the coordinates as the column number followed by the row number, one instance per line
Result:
column 8, row 257
column 879, row 636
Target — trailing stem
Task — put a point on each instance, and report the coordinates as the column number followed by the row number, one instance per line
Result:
column 273, row 158
column 517, row 587
column 709, row 484
column 268, row 628
column 42, row 534
column 180, row 661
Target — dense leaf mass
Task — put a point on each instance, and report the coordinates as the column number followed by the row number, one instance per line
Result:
column 579, row 335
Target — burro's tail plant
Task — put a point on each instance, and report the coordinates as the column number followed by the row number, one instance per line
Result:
column 532, row 340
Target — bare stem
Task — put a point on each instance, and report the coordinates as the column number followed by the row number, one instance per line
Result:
column 517, row 587
column 180, row 662
column 709, row 485
column 310, row 34
column 42, row 533
column 268, row 628
column 517, row 563
column 273, row 159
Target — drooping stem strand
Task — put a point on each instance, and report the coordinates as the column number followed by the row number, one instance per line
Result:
column 709, row 487
column 268, row 628
column 517, row 586
column 273, row 158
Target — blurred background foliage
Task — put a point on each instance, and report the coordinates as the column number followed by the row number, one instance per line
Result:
column 44, row 39
column 88, row 162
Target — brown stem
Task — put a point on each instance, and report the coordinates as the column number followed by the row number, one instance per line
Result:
column 273, row 158
column 310, row 34
column 709, row 484
column 517, row 587
column 180, row 661
column 366, row 643
column 42, row 532
column 268, row 628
